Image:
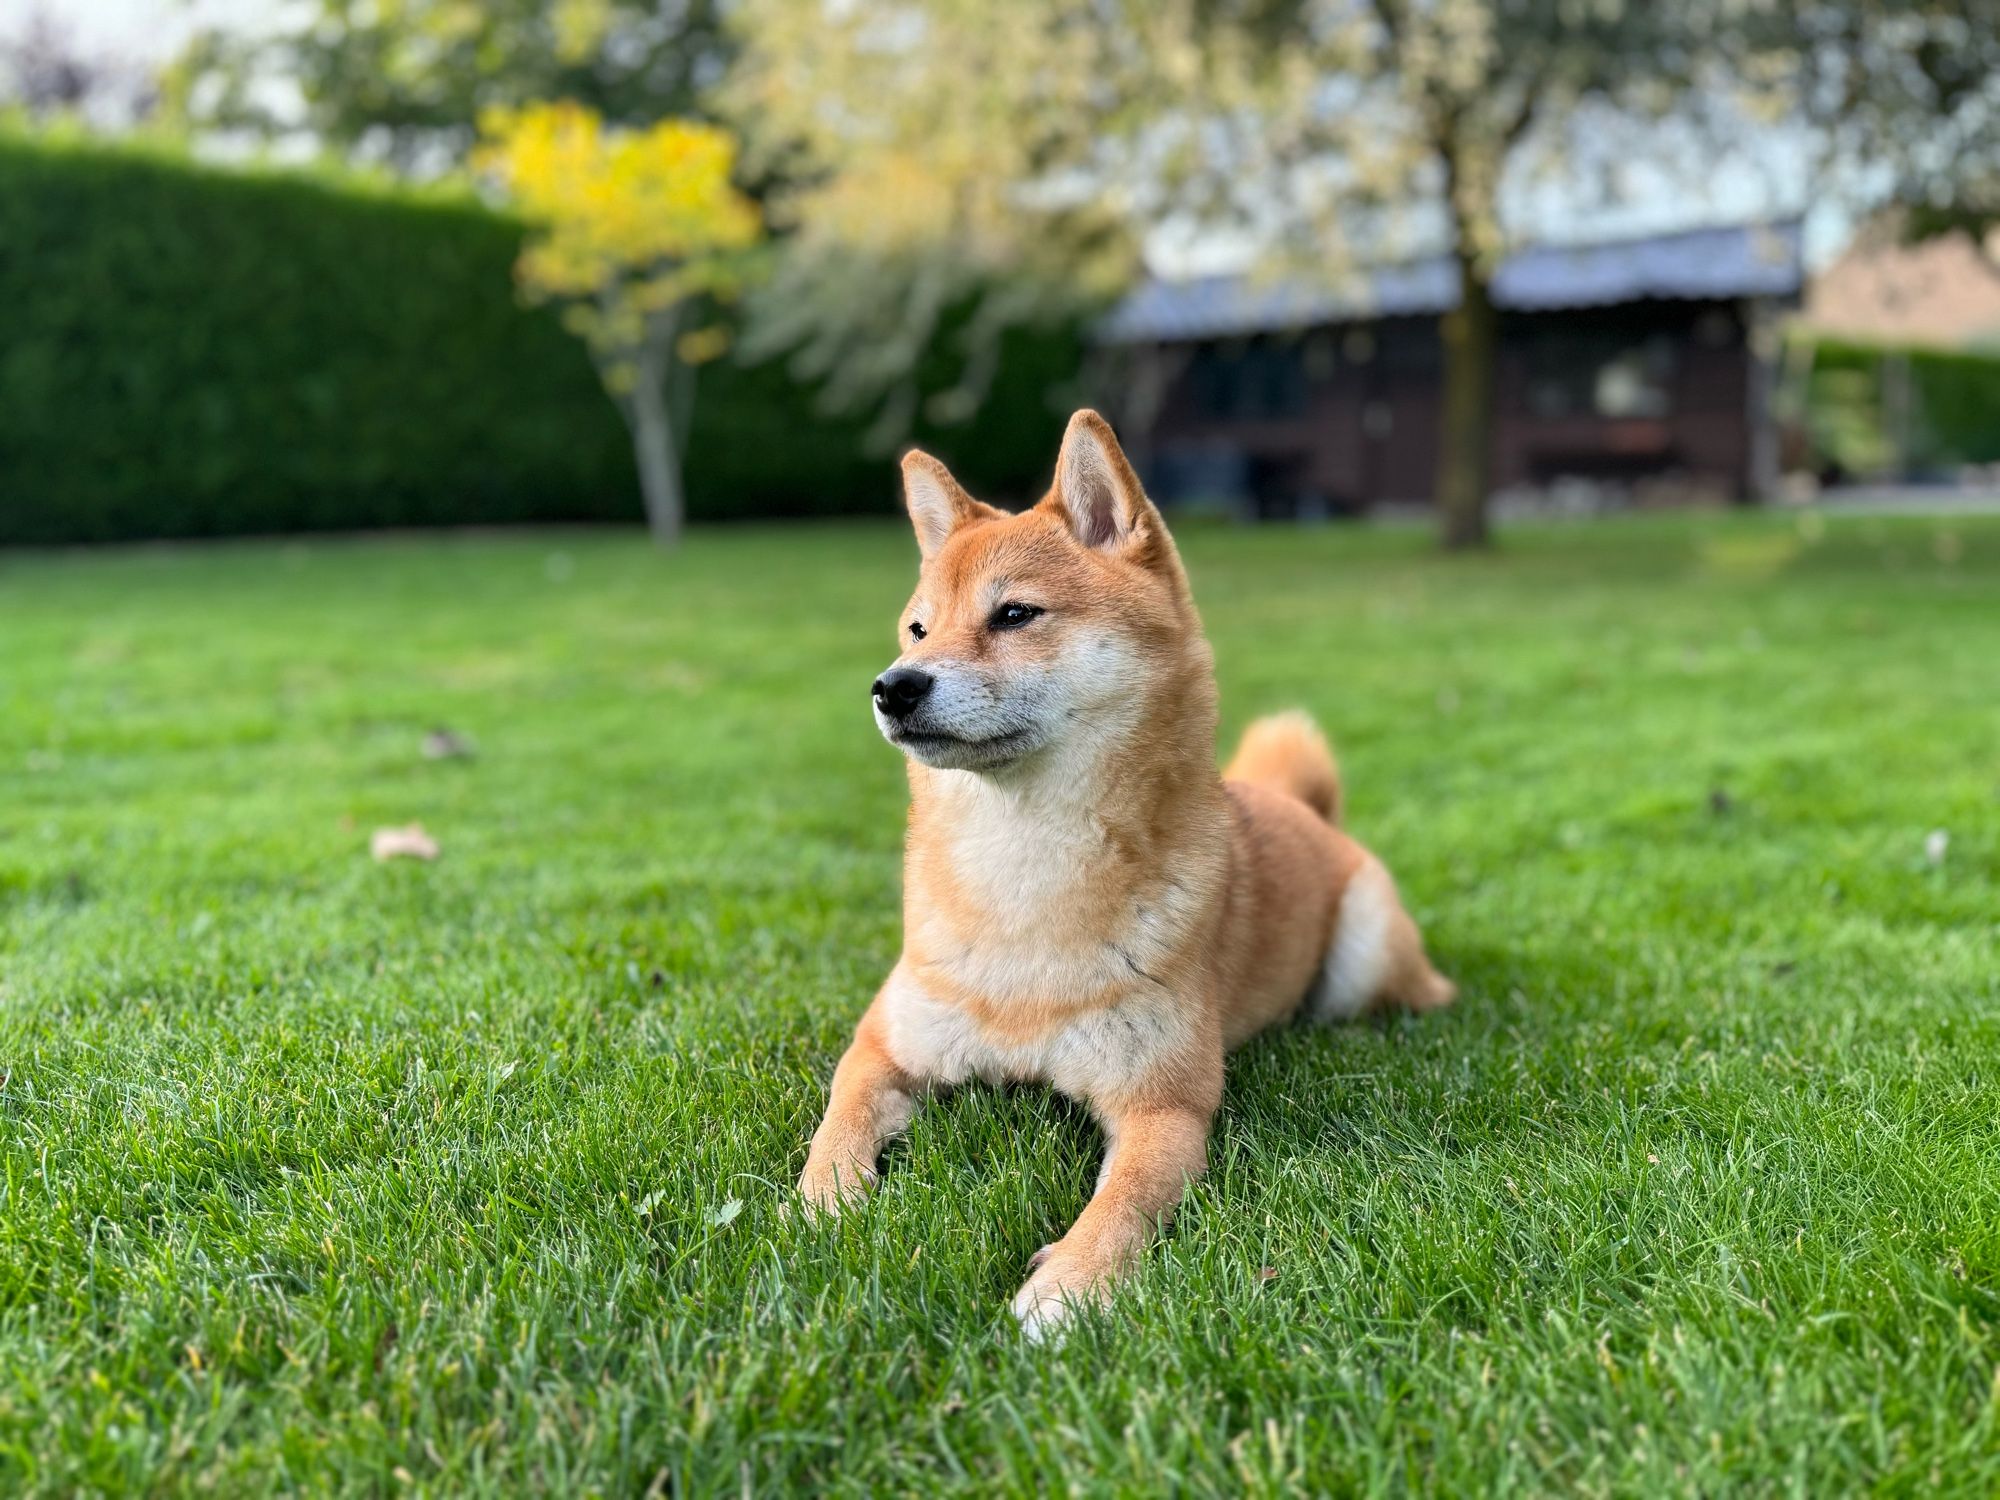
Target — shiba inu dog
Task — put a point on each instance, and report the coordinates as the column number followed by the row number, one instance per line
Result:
column 1087, row 902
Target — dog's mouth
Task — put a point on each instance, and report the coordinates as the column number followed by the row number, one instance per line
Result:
column 957, row 751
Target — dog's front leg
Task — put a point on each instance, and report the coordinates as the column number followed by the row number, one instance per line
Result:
column 1154, row 1153
column 872, row 1100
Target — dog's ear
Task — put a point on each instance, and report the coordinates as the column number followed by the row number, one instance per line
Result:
column 1099, row 495
column 938, row 504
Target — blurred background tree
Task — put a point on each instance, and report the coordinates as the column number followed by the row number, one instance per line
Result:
column 405, row 81
column 1902, row 100
column 1016, row 157
column 904, row 267
column 1347, row 117
column 943, row 171
column 635, row 229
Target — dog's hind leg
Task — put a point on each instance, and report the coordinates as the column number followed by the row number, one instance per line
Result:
column 1377, row 955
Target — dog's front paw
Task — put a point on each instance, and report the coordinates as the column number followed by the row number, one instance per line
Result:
column 1057, row 1288
column 824, row 1191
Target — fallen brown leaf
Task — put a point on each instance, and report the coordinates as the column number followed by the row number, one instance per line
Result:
column 408, row 842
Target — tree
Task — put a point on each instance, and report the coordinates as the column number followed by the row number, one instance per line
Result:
column 1368, row 111
column 943, row 171
column 635, row 231
column 950, row 140
column 1902, row 98
column 406, row 82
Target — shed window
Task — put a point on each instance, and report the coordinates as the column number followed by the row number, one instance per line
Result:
column 1574, row 374
column 1254, row 378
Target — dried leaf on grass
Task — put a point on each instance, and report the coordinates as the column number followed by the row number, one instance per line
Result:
column 408, row 842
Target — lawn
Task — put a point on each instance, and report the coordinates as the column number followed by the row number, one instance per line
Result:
column 473, row 1175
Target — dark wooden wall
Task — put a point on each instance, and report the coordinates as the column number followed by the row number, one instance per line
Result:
column 1346, row 417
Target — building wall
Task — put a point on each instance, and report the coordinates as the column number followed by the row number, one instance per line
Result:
column 1348, row 416
column 1943, row 291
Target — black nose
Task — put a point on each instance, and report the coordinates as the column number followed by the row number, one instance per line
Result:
column 900, row 689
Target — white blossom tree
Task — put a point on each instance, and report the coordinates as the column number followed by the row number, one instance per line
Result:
column 1013, row 156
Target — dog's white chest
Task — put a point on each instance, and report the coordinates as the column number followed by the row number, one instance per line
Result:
column 1103, row 1051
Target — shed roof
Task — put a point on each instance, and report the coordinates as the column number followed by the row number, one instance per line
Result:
column 1738, row 260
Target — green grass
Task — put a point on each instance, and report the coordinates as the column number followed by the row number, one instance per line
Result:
column 472, row 1175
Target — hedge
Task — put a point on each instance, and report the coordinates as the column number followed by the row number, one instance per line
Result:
column 188, row 350
column 1953, row 410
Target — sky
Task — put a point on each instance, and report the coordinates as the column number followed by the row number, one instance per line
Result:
column 136, row 31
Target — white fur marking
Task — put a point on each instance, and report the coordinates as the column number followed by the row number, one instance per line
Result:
column 1061, row 718
column 1357, row 962
column 1101, row 1052
column 1043, row 1311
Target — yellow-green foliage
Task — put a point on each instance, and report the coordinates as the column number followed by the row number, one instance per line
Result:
column 629, row 225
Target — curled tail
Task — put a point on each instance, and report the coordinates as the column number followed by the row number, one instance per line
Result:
column 1287, row 753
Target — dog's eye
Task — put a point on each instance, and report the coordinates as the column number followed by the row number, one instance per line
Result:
column 1012, row 616
column 916, row 631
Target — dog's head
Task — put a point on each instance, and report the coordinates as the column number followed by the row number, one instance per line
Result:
column 1038, row 633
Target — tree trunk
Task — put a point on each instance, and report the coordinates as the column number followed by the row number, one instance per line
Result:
column 653, row 443
column 1765, row 353
column 1465, row 443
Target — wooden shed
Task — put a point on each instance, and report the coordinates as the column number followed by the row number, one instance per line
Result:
column 1619, row 362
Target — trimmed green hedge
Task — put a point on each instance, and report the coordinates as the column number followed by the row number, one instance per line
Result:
column 188, row 351
column 1953, row 406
